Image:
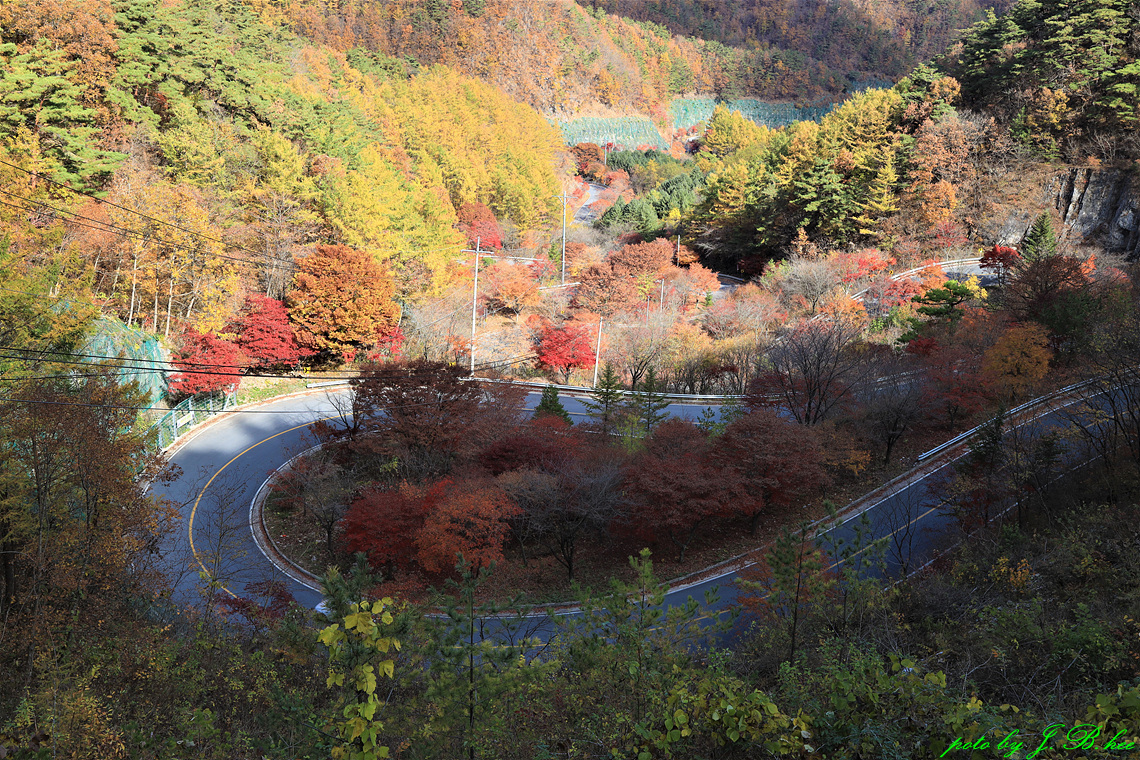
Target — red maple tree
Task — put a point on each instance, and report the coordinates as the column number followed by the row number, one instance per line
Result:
column 384, row 524
column 863, row 264
column 264, row 334
column 479, row 224
column 770, row 464
column 885, row 293
column 955, row 387
column 544, row 443
column 208, row 363
column 565, row 347
column 1001, row 259
column 672, row 486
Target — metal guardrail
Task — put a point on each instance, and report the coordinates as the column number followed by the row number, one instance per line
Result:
column 328, row 383
column 187, row 414
column 902, row 275
column 196, row 409
column 681, row 397
column 1016, row 410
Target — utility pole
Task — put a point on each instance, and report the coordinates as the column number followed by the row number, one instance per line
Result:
column 597, row 353
column 474, row 296
column 479, row 254
column 565, row 199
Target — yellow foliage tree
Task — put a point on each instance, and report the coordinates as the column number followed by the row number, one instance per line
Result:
column 729, row 132
column 160, row 274
column 1019, row 359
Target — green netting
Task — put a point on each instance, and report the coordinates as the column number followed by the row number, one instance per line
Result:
column 871, row 83
column 688, row 112
column 110, row 337
column 624, row 132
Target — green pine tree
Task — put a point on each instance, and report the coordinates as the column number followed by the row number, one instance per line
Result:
column 796, row 582
column 641, row 215
column 1041, row 241
column 862, row 562
column 38, row 91
column 635, row 643
column 607, row 401
column 941, row 305
column 550, row 405
column 479, row 663
column 613, row 214
column 714, row 423
column 649, row 404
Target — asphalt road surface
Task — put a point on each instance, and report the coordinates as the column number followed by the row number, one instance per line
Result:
column 224, row 464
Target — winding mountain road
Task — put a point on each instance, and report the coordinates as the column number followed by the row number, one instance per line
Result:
column 224, row 462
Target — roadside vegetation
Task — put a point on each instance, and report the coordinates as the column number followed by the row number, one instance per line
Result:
column 269, row 188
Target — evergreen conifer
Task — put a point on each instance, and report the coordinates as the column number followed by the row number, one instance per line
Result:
column 1041, row 242
column 550, row 405
column 606, row 404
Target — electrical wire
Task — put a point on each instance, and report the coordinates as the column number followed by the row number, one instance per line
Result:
column 164, row 411
column 122, row 208
column 127, row 232
column 172, row 224
column 188, row 368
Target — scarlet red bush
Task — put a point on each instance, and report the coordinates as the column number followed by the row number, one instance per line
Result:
column 479, row 224
column 564, row 348
column 264, row 334
column 384, row 525
column 209, row 364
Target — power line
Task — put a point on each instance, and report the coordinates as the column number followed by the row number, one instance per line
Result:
column 152, row 409
column 116, row 205
column 177, row 365
column 170, row 224
column 34, row 295
column 127, row 232
column 187, row 368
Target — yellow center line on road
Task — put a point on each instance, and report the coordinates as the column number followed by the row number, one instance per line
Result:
column 194, row 509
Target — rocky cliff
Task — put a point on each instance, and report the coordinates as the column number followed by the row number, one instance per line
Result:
column 1097, row 207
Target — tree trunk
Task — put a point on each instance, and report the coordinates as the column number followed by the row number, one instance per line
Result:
column 169, row 302
column 684, row 545
column 134, row 286
column 7, row 552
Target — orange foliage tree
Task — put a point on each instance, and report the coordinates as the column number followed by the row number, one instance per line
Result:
column 510, row 288
column 341, row 301
column 468, row 519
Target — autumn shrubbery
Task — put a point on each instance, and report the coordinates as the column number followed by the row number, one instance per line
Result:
column 437, row 470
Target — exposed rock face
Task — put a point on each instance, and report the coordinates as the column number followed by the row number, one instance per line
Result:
column 1100, row 206
column 1097, row 207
